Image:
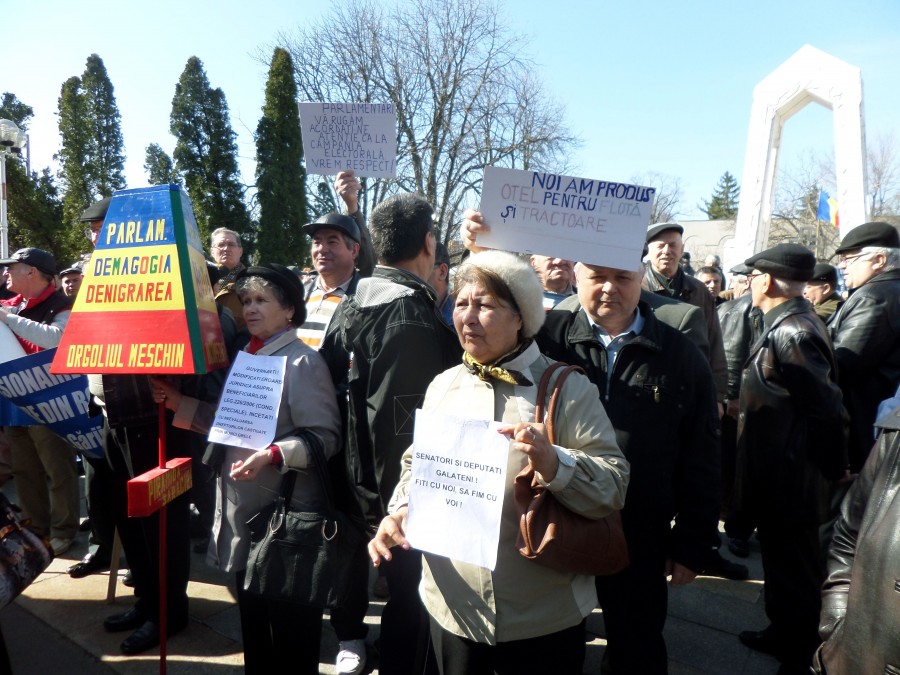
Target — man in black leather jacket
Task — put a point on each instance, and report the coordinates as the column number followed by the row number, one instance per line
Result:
column 866, row 329
column 860, row 612
column 741, row 324
column 790, row 440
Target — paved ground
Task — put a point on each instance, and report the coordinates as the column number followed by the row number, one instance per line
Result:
column 56, row 626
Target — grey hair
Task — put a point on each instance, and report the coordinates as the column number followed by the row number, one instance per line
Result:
column 225, row 230
column 891, row 256
column 789, row 288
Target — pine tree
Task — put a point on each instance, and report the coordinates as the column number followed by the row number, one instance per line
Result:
column 74, row 175
column 280, row 176
column 159, row 166
column 206, row 152
column 91, row 158
column 724, row 202
column 106, row 159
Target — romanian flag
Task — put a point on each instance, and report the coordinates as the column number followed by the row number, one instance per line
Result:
column 828, row 209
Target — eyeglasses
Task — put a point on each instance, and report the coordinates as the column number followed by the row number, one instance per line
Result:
column 847, row 260
column 751, row 277
column 226, row 245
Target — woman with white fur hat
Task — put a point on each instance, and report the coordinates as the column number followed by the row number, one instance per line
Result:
column 521, row 617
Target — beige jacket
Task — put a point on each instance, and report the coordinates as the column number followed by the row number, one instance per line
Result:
column 521, row 599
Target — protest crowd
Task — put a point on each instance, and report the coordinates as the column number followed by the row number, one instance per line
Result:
column 770, row 403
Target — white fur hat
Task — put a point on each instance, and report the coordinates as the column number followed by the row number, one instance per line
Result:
column 522, row 282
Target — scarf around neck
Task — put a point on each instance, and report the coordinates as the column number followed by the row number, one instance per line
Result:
column 486, row 372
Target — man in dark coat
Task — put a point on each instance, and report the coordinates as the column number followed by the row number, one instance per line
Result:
column 664, row 275
column 790, row 441
column 741, row 324
column 393, row 333
column 866, row 329
column 821, row 291
column 658, row 391
column 860, row 612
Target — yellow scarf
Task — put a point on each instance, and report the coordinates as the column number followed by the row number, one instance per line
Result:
column 485, row 372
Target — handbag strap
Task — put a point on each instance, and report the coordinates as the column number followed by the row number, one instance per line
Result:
column 539, row 415
column 317, row 457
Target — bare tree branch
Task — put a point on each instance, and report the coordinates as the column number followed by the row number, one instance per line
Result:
column 465, row 97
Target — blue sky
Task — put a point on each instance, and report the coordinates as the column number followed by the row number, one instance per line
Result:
column 650, row 86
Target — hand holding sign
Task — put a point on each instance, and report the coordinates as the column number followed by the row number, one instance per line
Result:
column 591, row 221
column 458, row 479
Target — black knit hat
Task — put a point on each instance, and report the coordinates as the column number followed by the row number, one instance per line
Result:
column 792, row 262
column 334, row 221
column 96, row 211
column 825, row 273
column 655, row 230
column 870, row 234
column 282, row 277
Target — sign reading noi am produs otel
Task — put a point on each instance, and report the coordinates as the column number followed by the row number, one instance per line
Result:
column 146, row 304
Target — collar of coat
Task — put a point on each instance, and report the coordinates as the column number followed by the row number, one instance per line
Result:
column 405, row 278
column 580, row 330
column 792, row 307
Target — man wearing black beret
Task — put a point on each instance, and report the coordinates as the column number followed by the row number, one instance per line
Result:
column 663, row 275
column 821, row 291
column 791, row 436
column 866, row 329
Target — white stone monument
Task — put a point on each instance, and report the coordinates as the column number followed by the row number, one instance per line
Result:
column 809, row 76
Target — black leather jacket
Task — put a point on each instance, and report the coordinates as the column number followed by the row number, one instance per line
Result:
column 791, row 426
column 861, row 595
column 866, row 336
column 741, row 325
column 660, row 399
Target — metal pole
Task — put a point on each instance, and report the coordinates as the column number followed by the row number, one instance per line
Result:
column 4, row 224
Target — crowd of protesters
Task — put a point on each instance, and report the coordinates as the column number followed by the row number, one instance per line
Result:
column 755, row 404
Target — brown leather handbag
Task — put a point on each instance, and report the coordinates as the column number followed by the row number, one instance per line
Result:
column 550, row 534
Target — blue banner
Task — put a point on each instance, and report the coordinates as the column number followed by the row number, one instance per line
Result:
column 58, row 401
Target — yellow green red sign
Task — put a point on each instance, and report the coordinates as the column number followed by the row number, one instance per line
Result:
column 146, row 304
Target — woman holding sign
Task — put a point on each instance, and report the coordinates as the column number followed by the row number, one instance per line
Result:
column 249, row 480
column 521, row 617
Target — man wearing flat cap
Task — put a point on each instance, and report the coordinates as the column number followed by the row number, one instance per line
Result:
column 335, row 249
column 43, row 464
column 336, row 241
column 866, row 329
column 821, row 291
column 663, row 275
column 791, row 431
column 70, row 280
column 93, row 216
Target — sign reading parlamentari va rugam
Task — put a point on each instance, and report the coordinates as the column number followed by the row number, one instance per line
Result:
column 358, row 137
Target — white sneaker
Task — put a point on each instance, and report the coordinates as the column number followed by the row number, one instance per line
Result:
column 351, row 658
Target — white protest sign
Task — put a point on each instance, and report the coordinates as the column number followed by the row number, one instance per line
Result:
column 358, row 137
column 456, row 489
column 248, row 410
column 591, row 221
